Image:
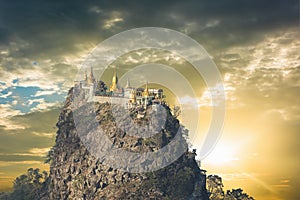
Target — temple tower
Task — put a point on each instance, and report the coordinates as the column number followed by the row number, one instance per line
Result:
column 91, row 79
column 146, row 91
column 114, row 82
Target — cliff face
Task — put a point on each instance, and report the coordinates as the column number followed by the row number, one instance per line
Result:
column 77, row 172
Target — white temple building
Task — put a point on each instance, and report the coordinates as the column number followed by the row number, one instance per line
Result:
column 128, row 96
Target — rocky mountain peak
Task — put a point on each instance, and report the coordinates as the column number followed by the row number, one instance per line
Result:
column 88, row 156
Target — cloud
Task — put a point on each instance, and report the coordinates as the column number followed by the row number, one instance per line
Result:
column 144, row 56
column 34, row 152
column 233, row 20
column 268, row 70
column 20, row 77
column 31, row 98
column 42, row 106
column 275, row 116
column 6, row 95
column 25, row 162
column 44, row 92
column 114, row 18
column 39, row 151
column 5, row 114
column 189, row 100
column 47, row 135
column 30, row 134
column 95, row 9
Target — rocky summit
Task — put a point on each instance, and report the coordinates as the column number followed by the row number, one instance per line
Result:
column 88, row 160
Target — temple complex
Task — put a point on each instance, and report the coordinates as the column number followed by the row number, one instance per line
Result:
column 96, row 90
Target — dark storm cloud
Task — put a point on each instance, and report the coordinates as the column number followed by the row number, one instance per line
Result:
column 45, row 24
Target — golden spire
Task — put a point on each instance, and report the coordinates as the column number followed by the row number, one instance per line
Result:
column 146, row 91
column 114, row 82
column 132, row 96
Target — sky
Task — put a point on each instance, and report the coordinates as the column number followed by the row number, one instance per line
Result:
column 255, row 45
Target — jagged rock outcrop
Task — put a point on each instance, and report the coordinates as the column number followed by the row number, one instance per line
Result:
column 77, row 173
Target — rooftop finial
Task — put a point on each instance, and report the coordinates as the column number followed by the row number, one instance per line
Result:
column 114, row 82
column 91, row 78
column 146, row 91
column 127, row 83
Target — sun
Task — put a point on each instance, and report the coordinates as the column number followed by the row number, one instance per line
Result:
column 222, row 154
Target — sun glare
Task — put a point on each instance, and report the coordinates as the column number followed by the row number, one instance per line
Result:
column 222, row 154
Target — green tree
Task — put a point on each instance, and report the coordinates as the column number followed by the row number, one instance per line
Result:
column 50, row 156
column 176, row 111
column 215, row 190
column 215, row 187
column 28, row 186
column 101, row 88
column 237, row 194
